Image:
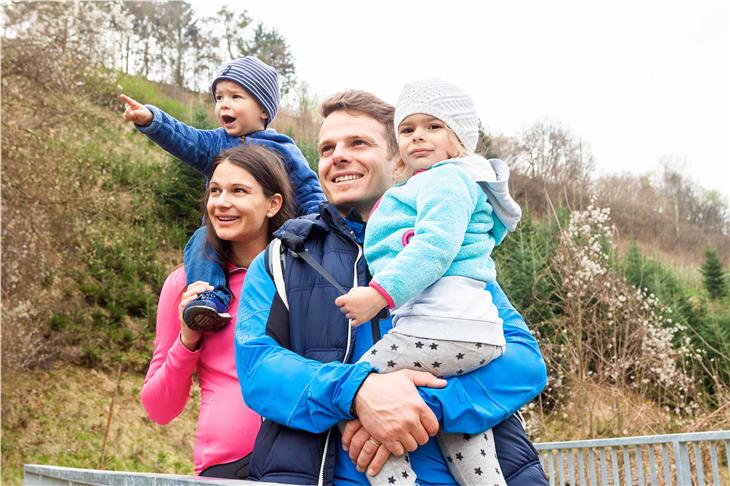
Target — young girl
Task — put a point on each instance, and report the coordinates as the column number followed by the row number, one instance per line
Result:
column 428, row 244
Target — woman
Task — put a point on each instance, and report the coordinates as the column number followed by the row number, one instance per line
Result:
column 248, row 197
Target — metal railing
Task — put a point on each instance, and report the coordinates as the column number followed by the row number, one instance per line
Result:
column 676, row 459
column 695, row 459
column 41, row 475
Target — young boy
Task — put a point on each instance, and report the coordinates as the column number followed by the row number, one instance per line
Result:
column 246, row 94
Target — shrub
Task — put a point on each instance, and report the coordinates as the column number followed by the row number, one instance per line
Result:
column 610, row 332
column 713, row 275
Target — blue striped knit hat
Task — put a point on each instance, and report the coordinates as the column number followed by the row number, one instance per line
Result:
column 256, row 77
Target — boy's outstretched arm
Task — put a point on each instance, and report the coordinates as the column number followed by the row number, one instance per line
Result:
column 193, row 146
column 136, row 112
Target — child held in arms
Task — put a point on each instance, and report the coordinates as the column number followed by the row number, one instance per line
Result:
column 428, row 244
column 246, row 95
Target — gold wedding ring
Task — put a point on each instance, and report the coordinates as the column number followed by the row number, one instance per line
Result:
column 374, row 442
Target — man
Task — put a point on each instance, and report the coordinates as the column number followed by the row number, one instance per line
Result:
column 296, row 353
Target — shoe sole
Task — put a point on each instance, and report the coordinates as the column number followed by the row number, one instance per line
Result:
column 201, row 318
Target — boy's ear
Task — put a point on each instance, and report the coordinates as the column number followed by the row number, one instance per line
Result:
column 264, row 115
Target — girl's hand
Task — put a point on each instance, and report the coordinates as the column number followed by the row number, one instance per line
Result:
column 361, row 304
column 190, row 338
column 136, row 112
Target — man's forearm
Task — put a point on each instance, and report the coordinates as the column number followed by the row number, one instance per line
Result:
column 480, row 400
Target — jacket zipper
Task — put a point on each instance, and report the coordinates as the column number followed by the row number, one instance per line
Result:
column 347, row 356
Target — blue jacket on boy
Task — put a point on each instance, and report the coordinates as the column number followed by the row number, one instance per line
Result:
column 198, row 148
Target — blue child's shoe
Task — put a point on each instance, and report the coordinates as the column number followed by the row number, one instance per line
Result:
column 206, row 313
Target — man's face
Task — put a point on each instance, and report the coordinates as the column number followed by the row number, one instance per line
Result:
column 354, row 166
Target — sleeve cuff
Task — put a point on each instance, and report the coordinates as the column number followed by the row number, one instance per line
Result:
column 346, row 400
column 182, row 356
column 156, row 122
column 384, row 293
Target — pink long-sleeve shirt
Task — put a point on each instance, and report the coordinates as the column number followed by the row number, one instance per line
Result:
column 227, row 428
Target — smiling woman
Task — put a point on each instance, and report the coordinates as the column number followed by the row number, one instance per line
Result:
column 245, row 203
column 248, row 197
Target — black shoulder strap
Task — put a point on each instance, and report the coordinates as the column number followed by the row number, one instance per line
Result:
column 304, row 255
column 295, row 246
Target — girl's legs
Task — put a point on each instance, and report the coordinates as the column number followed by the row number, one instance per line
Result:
column 473, row 458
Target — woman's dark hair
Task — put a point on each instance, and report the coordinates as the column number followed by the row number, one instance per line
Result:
column 267, row 169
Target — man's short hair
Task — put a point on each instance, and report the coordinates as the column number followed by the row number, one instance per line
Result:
column 367, row 104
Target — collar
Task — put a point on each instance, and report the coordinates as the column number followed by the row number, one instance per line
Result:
column 357, row 227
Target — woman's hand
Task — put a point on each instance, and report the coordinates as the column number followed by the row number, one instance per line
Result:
column 361, row 304
column 190, row 338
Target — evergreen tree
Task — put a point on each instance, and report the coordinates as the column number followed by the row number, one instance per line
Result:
column 713, row 275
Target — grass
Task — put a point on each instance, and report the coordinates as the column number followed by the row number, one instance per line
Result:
column 59, row 418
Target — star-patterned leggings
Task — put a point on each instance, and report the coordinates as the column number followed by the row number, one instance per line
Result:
column 472, row 459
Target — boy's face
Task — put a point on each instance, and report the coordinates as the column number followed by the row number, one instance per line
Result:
column 236, row 110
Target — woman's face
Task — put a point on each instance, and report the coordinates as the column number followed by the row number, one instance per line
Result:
column 237, row 207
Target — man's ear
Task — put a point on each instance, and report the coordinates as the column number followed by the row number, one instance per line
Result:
column 275, row 203
column 396, row 168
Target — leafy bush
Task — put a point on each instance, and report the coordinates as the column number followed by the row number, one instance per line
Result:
column 707, row 324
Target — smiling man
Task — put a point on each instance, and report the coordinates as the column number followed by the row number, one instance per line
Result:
column 296, row 354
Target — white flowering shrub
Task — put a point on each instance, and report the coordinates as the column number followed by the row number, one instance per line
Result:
column 608, row 332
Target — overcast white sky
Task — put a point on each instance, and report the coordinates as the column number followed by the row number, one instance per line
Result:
column 637, row 80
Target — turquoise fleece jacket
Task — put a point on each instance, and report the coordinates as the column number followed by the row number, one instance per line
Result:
column 439, row 223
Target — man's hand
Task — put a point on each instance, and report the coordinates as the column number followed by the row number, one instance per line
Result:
column 361, row 304
column 363, row 449
column 391, row 410
column 136, row 112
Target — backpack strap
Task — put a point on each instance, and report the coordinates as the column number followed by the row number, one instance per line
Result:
column 275, row 267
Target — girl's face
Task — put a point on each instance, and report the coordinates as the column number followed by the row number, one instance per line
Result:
column 237, row 206
column 423, row 141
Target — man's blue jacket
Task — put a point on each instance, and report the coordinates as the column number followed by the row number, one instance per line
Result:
column 295, row 369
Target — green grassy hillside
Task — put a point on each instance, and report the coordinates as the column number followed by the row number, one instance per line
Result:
column 94, row 217
column 60, row 417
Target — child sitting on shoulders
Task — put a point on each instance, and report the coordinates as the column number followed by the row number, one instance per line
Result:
column 246, row 95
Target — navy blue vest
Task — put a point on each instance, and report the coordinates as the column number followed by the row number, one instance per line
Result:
column 282, row 454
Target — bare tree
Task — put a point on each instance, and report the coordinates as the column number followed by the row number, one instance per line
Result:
column 234, row 25
column 550, row 151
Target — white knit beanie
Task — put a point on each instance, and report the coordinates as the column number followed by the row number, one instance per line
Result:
column 444, row 101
